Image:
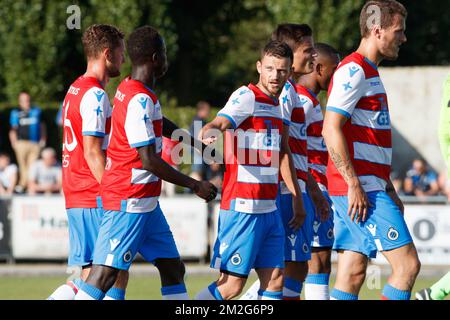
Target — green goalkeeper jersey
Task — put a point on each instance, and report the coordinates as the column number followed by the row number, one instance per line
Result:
column 444, row 125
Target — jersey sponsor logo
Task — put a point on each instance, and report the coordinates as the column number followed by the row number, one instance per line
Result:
column 392, row 234
column 119, row 96
column 383, row 118
column 353, row 70
column 236, row 259
column 372, row 229
column 73, row 90
column 113, row 243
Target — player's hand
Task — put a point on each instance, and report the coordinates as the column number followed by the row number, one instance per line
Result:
column 205, row 190
column 321, row 204
column 358, row 203
column 299, row 215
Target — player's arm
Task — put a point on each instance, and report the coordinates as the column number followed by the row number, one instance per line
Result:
column 94, row 156
column 151, row 161
column 208, row 134
column 169, row 127
column 390, row 190
column 320, row 202
column 287, row 170
column 338, row 150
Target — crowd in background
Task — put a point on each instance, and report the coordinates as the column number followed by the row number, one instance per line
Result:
column 38, row 170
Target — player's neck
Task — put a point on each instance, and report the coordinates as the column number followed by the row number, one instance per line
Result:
column 308, row 82
column 370, row 51
column 97, row 70
column 144, row 75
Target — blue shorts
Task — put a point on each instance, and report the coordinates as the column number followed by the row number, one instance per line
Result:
column 122, row 235
column 297, row 245
column 247, row 241
column 83, row 230
column 323, row 236
column 384, row 229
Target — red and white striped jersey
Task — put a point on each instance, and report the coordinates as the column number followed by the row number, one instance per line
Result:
column 294, row 116
column 356, row 91
column 317, row 150
column 86, row 112
column 251, row 151
column 136, row 122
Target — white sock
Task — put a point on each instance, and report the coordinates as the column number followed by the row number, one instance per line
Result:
column 209, row 293
column 65, row 292
column 316, row 287
column 177, row 296
column 317, row 292
column 252, row 292
column 82, row 295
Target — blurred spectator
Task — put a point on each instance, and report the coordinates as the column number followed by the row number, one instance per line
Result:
column 420, row 181
column 199, row 169
column 8, row 174
column 444, row 184
column 167, row 188
column 45, row 174
column 397, row 182
column 216, row 175
column 27, row 135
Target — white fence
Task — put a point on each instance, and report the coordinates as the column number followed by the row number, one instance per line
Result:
column 36, row 228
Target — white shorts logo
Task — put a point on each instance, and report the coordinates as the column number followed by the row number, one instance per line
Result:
column 392, row 234
column 236, row 259
column 127, row 256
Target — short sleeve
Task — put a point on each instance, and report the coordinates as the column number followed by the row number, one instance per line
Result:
column 288, row 101
column 239, row 107
column 308, row 108
column 14, row 118
column 94, row 108
column 347, row 89
column 138, row 121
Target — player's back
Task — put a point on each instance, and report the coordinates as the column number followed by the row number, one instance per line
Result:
column 86, row 112
column 136, row 122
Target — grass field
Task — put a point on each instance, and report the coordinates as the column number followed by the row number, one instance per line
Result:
column 143, row 287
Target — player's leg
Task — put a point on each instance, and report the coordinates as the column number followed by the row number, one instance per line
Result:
column 351, row 272
column 405, row 266
column 353, row 250
column 269, row 262
column 437, row 291
column 81, row 245
column 239, row 240
column 271, row 283
column 319, row 269
column 120, row 236
column 395, row 242
column 160, row 249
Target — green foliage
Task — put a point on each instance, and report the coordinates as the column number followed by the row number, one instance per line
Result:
column 212, row 45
